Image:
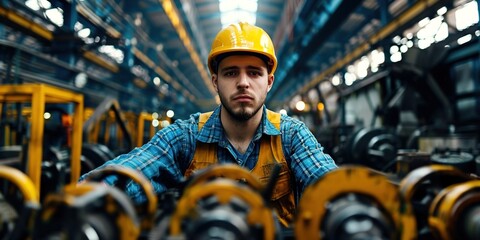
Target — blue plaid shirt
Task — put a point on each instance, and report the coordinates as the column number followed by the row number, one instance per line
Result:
column 167, row 155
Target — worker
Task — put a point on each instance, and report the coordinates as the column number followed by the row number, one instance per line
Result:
column 241, row 130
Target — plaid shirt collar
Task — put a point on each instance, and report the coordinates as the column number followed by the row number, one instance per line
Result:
column 213, row 131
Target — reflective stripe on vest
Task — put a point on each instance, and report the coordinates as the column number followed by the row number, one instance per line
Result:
column 271, row 153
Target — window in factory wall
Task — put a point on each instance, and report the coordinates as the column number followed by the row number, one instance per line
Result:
column 360, row 108
column 467, row 89
column 466, row 15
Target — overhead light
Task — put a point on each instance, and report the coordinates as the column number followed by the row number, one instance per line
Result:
column 464, row 39
column 80, row 80
column 55, row 15
column 234, row 11
column 155, row 122
column 424, row 22
column 159, row 47
column 47, row 115
column 138, row 19
column 300, row 105
column 156, row 81
column 336, row 80
column 170, row 113
column 442, row 11
column 466, row 16
column 84, row 33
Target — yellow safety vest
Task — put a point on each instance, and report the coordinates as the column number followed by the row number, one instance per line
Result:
column 271, row 153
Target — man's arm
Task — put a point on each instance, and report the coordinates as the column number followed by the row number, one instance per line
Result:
column 307, row 160
column 156, row 160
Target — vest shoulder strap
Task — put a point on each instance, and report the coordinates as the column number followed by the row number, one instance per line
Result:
column 203, row 119
column 274, row 118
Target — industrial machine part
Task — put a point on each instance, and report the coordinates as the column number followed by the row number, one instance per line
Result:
column 18, row 204
column 108, row 112
column 463, row 161
column 455, row 212
column 56, row 170
column 371, row 147
column 477, row 165
column 222, row 201
column 221, row 209
column 429, row 143
column 11, row 156
column 422, row 185
column 410, row 159
column 237, row 173
column 87, row 211
column 146, row 210
column 95, row 155
column 230, row 171
column 39, row 95
column 353, row 202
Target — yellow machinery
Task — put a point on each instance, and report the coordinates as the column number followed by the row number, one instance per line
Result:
column 124, row 176
column 353, row 203
column 38, row 95
column 455, row 212
column 88, row 211
column 229, row 171
column 19, row 203
column 94, row 210
column 143, row 118
column 221, row 202
column 92, row 134
column 421, row 188
column 106, row 125
column 137, row 124
column 227, row 202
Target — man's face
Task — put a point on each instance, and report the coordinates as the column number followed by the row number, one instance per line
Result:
column 242, row 83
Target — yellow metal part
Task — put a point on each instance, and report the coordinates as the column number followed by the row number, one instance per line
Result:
column 230, row 171
column 410, row 183
column 93, row 132
column 447, row 208
column 110, row 122
column 93, row 57
column 97, row 20
column 26, row 23
column 351, row 179
column 38, row 95
column 87, row 193
column 150, row 207
column 224, row 190
column 131, row 122
column 48, row 35
column 142, row 118
column 10, row 135
column 24, row 184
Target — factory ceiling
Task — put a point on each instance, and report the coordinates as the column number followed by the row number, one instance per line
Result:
column 165, row 43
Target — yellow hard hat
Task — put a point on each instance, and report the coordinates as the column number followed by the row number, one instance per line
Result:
column 242, row 37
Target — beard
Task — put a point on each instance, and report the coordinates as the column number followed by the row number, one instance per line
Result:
column 244, row 111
